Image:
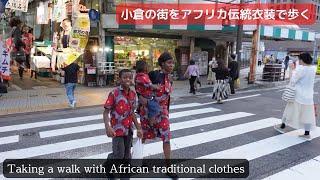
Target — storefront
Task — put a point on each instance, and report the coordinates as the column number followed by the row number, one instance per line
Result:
column 128, row 50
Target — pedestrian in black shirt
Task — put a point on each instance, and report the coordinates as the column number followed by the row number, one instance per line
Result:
column 71, row 79
column 286, row 62
column 221, row 88
column 234, row 73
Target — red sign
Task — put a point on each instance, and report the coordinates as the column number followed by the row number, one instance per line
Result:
column 216, row 13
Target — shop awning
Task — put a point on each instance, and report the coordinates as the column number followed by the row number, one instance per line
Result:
column 291, row 32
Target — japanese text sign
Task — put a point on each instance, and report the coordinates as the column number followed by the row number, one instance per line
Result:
column 213, row 14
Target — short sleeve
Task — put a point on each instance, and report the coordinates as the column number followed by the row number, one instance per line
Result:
column 110, row 101
column 144, row 80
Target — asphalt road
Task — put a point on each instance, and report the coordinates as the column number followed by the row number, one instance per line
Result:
column 242, row 127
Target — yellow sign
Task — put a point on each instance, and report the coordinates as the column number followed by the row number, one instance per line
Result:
column 318, row 67
column 72, row 57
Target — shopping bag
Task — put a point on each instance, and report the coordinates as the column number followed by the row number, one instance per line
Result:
column 137, row 150
column 289, row 94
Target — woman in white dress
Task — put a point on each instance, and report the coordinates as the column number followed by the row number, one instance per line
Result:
column 300, row 113
column 212, row 75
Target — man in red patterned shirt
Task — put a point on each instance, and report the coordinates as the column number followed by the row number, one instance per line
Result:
column 120, row 105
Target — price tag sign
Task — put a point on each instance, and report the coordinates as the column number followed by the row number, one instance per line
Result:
column 20, row 5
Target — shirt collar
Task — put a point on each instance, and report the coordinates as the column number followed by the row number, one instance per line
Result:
column 121, row 88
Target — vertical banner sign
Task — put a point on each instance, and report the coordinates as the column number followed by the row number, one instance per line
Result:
column 20, row 5
column 4, row 62
column 59, row 10
column 79, row 33
column 318, row 66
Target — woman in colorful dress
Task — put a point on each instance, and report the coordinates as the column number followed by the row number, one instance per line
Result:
column 160, row 126
column 221, row 89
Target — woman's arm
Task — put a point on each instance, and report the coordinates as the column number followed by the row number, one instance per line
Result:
column 296, row 76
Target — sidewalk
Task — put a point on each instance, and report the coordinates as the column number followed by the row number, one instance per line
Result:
column 53, row 96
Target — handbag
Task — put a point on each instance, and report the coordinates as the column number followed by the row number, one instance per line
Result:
column 18, row 56
column 289, row 94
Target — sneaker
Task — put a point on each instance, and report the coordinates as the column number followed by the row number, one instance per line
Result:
column 74, row 104
column 279, row 129
column 305, row 137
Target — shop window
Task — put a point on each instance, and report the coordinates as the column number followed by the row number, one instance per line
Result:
column 128, row 50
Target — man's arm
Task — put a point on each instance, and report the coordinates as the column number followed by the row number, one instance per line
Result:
column 110, row 132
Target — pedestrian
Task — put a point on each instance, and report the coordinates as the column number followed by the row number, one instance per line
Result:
column 286, row 62
column 120, row 105
column 300, row 114
column 17, row 52
column 221, row 88
column 259, row 62
column 233, row 71
column 28, row 41
column 211, row 75
column 192, row 73
column 272, row 60
column 162, row 127
column 71, row 80
column 33, row 69
column 146, row 89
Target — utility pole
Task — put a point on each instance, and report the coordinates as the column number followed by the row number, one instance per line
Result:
column 239, row 39
column 254, row 53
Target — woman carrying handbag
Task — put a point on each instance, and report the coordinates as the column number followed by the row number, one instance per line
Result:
column 299, row 112
column 17, row 53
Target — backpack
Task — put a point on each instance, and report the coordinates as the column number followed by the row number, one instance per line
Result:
column 157, row 77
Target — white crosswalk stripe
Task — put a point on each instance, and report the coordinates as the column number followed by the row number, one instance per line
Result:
column 190, row 132
column 307, row 170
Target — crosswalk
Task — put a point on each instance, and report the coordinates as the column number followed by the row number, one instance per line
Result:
column 200, row 131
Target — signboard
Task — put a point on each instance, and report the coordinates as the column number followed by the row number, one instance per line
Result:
column 4, row 62
column 42, row 13
column 318, row 66
column 20, row 5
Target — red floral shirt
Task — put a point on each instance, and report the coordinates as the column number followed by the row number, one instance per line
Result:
column 121, row 106
column 143, row 85
column 27, row 39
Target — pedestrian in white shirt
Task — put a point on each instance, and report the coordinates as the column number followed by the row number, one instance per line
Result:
column 300, row 113
column 211, row 75
column 192, row 73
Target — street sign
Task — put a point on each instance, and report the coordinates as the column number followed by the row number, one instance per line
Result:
column 94, row 15
column 318, row 66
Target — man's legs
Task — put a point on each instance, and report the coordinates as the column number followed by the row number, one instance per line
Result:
column 118, row 147
column 192, row 81
column 232, row 86
column 69, row 91
column 21, row 69
column 73, row 89
column 127, row 145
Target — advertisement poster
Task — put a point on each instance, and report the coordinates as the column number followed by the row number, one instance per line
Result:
column 79, row 37
column 80, row 32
